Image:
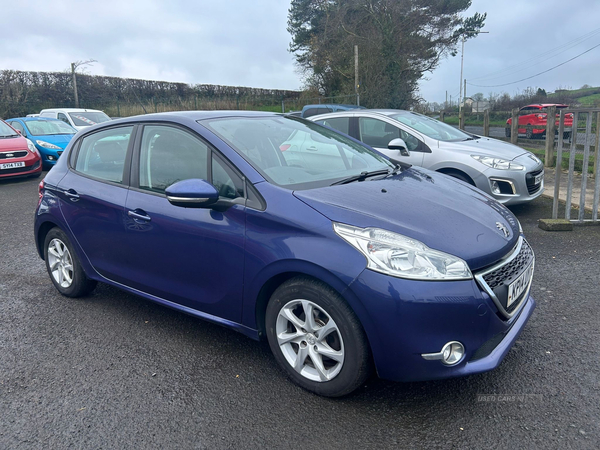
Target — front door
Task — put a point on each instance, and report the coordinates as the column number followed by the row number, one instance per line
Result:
column 190, row 256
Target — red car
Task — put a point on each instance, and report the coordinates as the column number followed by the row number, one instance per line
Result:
column 18, row 156
column 534, row 116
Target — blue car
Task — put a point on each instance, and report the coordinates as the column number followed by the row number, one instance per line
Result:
column 50, row 136
column 343, row 260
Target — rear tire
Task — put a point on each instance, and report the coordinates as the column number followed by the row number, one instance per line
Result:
column 316, row 338
column 529, row 132
column 64, row 267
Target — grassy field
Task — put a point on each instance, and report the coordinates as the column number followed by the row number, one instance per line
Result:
column 540, row 153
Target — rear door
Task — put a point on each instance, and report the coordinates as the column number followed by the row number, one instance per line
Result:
column 92, row 197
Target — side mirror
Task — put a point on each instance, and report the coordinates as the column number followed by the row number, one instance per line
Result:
column 400, row 145
column 192, row 193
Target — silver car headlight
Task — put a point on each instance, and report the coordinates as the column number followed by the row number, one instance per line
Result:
column 48, row 145
column 400, row 256
column 498, row 163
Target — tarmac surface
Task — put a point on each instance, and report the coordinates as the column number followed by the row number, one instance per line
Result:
column 115, row 371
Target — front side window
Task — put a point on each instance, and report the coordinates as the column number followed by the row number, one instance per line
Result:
column 17, row 126
column 64, row 118
column 169, row 155
column 377, row 133
column 226, row 180
column 430, row 127
column 102, row 155
column 294, row 153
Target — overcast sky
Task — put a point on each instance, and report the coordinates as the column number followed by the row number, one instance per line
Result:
column 244, row 43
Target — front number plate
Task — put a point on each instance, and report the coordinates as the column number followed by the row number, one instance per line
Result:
column 539, row 178
column 12, row 165
column 517, row 287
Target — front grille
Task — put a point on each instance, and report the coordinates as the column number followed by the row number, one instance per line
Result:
column 16, row 154
column 19, row 169
column 496, row 280
column 532, row 188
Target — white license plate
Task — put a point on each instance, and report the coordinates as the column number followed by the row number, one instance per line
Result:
column 517, row 287
column 539, row 178
column 12, row 165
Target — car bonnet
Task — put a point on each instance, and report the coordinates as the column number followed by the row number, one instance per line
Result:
column 443, row 213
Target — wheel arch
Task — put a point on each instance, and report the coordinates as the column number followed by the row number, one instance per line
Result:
column 42, row 231
column 452, row 170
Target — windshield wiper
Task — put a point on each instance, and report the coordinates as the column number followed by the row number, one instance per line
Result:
column 364, row 175
column 4, row 136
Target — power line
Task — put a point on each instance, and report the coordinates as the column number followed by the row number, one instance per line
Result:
column 537, row 74
column 536, row 59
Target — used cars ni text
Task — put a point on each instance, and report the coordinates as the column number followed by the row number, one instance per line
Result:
column 18, row 156
column 50, row 136
column 508, row 173
column 345, row 261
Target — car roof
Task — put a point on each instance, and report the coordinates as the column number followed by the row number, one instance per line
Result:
column 70, row 110
column 196, row 115
column 36, row 119
column 546, row 105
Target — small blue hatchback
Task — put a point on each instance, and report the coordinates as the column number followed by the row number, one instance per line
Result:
column 343, row 260
column 50, row 136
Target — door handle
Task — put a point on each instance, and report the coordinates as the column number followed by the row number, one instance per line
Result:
column 139, row 215
column 312, row 149
column 72, row 194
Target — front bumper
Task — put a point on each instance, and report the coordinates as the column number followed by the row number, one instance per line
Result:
column 33, row 166
column 517, row 186
column 404, row 319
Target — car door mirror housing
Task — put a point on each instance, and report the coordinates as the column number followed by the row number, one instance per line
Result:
column 400, row 145
column 192, row 193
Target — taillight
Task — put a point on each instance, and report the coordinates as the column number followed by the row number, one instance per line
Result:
column 40, row 192
column 284, row 147
column 541, row 116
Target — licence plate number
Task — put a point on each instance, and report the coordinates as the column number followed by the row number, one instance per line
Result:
column 538, row 178
column 12, row 165
column 517, row 287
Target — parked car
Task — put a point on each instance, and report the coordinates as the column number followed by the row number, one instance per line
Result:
column 18, row 155
column 536, row 117
column 78, row 118
column 340, row 263
column 508, row 173
column 50, row 136
column 313, row 110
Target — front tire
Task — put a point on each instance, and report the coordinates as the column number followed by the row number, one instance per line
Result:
column 316, row 338
column 529, row 132
column 64, row 267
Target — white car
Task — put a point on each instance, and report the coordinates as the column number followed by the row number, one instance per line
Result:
column 506, row 172
column 78, row 118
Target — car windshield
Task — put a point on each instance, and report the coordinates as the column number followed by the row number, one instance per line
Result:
column 431, row 127
column 6, row 131
column 48, row 127
column 294, row 153
column 87, row 118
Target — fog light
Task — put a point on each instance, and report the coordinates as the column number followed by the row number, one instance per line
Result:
column 51, row 158
column 452, row 353
column 495, row 187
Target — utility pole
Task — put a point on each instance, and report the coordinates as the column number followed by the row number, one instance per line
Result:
column 356, row 75
column 446, row 104
column 74, row 67
column 75, row 85
column 462, row 58
column 465, row 89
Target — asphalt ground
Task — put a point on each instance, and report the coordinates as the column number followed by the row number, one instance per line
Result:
column 115, row 371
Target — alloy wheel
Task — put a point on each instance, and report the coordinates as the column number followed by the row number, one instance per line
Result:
column 60, row 263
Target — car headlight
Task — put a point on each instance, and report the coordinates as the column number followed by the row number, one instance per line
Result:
column 498, row 163
column 400, row 256
column 32, row 148
column 48, row 145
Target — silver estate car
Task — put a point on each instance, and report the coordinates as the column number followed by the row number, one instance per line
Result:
column 508, row 173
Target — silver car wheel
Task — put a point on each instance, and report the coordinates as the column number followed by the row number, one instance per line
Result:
column 60, row 263
column 310, row 340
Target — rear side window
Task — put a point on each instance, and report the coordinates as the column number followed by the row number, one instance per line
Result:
column 102, row 155
column 314, row 111
column 338, row 123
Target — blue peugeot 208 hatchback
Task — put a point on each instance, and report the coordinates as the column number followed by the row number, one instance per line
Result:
column 281, row 228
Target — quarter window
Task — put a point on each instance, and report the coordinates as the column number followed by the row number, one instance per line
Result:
column 169, row 155
column 102, row 155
